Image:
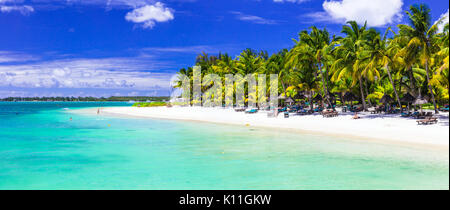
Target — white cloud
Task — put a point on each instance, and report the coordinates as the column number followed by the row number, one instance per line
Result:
column 444, row 17
column 105, row 73
column 148, row 15
column 375, row 12
column 9, row 57
column 253, row 19
column 24, row 9
column 145, row 13
column 10, row 1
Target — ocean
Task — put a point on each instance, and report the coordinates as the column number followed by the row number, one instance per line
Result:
column 48, row 145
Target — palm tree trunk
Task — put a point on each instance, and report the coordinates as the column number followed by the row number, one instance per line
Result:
column 362, row 94
column 367, row 92
column 325, row 91
column 430, row 88
column 412, row 81
column 393, row 86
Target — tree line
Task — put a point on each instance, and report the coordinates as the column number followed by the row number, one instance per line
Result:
column 365, row 62
column 101, row 99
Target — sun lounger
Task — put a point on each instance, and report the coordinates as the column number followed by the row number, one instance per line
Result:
column 427, row 121
column 283, row 109
column 252, row 111
column 329, row 113
column 406, row 114
column 357, row 109
column 303, row 112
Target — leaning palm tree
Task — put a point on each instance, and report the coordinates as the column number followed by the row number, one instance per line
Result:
column 422, row 42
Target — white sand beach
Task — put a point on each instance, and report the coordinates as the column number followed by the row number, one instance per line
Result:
column 389, row 128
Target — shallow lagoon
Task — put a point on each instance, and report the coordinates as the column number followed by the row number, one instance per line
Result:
column 41, row 148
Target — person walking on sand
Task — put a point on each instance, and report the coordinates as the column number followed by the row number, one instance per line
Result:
column 98, row 111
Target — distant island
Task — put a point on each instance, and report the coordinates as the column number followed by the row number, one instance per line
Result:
column 74, row 99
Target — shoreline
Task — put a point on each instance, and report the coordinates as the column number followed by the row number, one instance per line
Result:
column 386, row 129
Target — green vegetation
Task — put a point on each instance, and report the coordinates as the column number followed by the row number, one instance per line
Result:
column 150, row 104
column 364, row 62
column 113, row 98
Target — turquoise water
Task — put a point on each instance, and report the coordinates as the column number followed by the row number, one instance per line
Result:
column 40, row 148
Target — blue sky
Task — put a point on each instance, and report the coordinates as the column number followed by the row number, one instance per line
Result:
column 133, row 47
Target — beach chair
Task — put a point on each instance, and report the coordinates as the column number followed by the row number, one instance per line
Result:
column 445, row 109
column 302, row 112
column 239, row 109
column 433, row 120
column 324, row 113
column 252, row 111
column 427, row 121
column 335, row 114
column 404, row 114
column 294, row 109
column 283, row 109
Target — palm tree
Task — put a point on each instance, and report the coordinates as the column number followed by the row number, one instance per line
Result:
column 314, row 45
column 442, row 57
column 275, row 64
column 422, row 44
column 225, row 65
column 379, row 52
column 352, row 57
column 249, row 62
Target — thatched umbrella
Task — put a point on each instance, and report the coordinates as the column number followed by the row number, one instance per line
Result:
column 420, row 101
column 386, row 99
column 290, row 101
